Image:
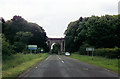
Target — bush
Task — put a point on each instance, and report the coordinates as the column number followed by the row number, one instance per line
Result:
column 107, row 52
column 104, row 52
column 7, row 49
column 19, row 46
column 82, row 50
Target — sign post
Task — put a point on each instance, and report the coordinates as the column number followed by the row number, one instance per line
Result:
column 32, row 47
column 92, row 53
column 90, row 49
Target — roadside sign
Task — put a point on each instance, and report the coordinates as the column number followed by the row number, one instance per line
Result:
column 32, row 47
column 89, row 49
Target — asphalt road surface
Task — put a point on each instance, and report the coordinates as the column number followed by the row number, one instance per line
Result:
column 62, row 66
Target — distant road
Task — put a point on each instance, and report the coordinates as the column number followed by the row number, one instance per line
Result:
column 62, row 66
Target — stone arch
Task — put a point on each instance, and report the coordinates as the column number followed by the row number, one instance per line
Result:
column 60, row 41
column 52, row 45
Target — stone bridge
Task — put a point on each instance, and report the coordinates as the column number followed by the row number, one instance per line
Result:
column 60, row 41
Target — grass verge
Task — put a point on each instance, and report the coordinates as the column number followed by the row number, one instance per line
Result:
column 20, row 62
column 111, row 64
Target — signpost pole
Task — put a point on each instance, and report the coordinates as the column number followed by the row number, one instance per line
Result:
column 92, row 55
column 88, row 50
column 32, row 47
column 30, row 51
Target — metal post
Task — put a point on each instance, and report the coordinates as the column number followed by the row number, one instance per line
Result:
column 92, row 55
column 35, row 51
column 30, row 51
column 88, row 53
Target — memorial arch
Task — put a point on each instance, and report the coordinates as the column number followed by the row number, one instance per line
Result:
column 60, row 41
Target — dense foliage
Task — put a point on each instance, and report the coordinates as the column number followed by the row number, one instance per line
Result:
column 94, row 31
column 108, row 52
column 7, row 49
column 18, row 33
column 104, row 52
column 56, row 48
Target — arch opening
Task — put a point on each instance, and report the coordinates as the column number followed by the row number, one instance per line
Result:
column 55, row 48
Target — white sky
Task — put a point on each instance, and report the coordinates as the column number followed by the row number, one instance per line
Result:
column 55, row 15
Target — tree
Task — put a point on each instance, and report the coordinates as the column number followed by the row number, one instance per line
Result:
column 19, row 46
column 7, row 49
column 99, row 32
column 17, row 25
column 23, row 37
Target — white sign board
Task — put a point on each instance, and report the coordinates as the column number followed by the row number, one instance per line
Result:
column 89, row 49
column 32, row 46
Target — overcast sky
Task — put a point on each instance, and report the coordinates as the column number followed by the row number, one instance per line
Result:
column 55, row 15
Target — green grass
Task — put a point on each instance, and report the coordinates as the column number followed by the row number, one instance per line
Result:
column 20, row 62
column 111, row 64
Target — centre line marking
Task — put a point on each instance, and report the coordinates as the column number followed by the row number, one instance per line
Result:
column 58, row 57
column 62, row 61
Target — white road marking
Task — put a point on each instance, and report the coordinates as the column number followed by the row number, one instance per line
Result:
column 35, row 67
column 58, row 57
column 85, row 68
column 47, row 58
column 62, row 61
column 107, row 70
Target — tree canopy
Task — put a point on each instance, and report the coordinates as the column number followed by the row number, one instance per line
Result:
column 20, row 32
column 99, row 32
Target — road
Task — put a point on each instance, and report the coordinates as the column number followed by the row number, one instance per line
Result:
column 62, row 66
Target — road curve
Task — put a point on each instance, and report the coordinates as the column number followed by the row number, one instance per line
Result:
column 62, row 66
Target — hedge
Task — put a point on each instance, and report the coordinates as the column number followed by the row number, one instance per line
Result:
column 104, row 52
column 107, row 52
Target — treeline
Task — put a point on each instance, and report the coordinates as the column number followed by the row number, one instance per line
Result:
column 18, row 33
column 94, row 31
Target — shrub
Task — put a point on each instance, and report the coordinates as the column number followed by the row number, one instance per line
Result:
column 104, row 52
column 107, row 52
column 7, row 49
column 82, row 49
